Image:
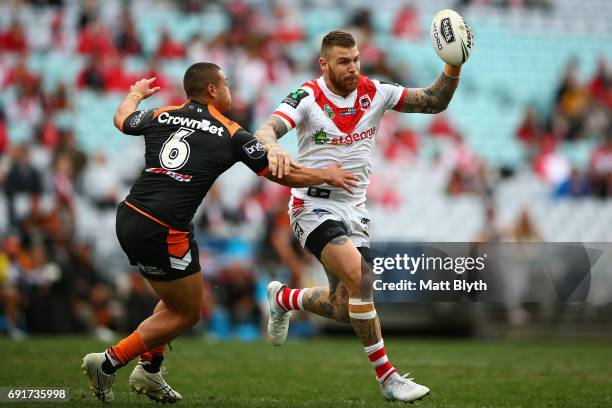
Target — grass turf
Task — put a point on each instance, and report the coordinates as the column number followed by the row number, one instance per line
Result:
column 335, row 373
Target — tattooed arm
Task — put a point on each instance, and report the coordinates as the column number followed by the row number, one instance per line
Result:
column 272, row 129
column 436, row 98
column 279, row 160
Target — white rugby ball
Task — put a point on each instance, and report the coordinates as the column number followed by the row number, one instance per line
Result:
column 451, row 37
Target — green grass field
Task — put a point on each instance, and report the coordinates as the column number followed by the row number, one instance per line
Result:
column 335, row 373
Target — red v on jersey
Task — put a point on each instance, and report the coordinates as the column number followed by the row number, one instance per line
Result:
column 346, row 123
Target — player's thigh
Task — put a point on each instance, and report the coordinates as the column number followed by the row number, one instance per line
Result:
column 341, row 257
column 323, row 229
column 182, row 296
column 160, row 252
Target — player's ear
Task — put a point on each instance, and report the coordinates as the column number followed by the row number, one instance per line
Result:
column 322, row 63
column 211, row 90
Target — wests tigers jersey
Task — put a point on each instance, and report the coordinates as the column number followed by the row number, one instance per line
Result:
column 333, row 129
column 186, row 148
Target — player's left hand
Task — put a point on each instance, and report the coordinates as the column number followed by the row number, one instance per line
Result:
column 341, row 178
column 280, row 161
column 143, row 87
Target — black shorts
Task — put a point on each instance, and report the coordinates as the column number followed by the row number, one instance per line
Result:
column 324, row 233
column 160, row 252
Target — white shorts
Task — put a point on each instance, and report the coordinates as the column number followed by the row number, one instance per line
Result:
column 307, row 215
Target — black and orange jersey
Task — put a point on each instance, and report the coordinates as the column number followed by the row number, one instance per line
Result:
column 186, row 148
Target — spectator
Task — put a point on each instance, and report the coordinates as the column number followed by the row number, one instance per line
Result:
column 550, row 165
column 575, row 186
column 601, row 81
column 404, row 145
column 279, row 249
column 20, row 75
column 153, row 70
column 235, row 290
column 441, row 126
column 288, row 27
column 4, row 137
column 92, row 76
column 10, row 295
column 571, row 110
column 14, row 39
column 58, row 100
column 22, row 178
column 101, row 183
column 116, row 78
column 96, row 38
column 169, row 48
column 407, row 24
column 530, row 130
column 126, row 41
column 491, row 230
column 48, row 133
column 601, row 169
column 68, row 147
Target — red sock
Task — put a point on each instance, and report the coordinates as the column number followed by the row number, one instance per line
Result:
column 290, row 299
column 380, row 362
column 126, row 350
column 148, row 356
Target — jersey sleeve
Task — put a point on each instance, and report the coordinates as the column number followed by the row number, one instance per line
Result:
column 137, row 122
column 295, row 106
column 248, row 150
column 393, row 94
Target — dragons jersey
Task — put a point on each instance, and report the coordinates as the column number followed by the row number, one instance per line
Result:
column 186, row 148
column 332, row 129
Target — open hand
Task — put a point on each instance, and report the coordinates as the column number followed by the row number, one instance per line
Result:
column 143, row 87
column 341, row 178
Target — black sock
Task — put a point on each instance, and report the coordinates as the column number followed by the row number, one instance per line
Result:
column 154, row 365
column 107, row 366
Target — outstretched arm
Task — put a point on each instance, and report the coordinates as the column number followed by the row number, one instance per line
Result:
column 306, row 177
column 139, row 91
column 279, row 160
column 436, row 98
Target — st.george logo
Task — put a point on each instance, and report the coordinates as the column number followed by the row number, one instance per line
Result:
column 365, row 102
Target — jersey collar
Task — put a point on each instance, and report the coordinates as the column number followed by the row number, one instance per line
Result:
column 336, row 99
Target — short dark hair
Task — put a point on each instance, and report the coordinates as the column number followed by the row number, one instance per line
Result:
column 198, row 77
column 336, row 38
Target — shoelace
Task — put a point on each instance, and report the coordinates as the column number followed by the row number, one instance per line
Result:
column 280, row 319
column 405, row 377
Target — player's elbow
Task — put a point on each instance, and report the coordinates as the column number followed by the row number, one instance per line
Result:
column 118, row 121
column 443, row 107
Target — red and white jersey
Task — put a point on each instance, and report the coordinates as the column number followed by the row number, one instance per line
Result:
column 332, row 129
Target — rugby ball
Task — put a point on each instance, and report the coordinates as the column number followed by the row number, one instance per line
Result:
column 451, row 37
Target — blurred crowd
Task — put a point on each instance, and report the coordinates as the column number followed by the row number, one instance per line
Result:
column 582, row 111
column 50, row 278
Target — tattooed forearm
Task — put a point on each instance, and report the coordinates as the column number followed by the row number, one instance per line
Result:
column 273, row 129
column 434, row 99
column 368, row 331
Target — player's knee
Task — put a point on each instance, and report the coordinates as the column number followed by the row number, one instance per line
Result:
column 352, row 280
column 188, row 316
column 191, row 318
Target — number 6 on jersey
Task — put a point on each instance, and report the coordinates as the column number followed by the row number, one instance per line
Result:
column 175, row 151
